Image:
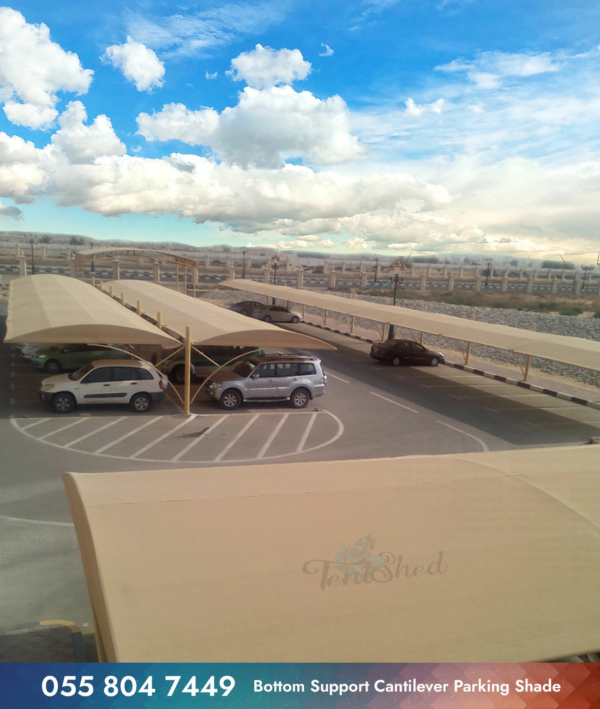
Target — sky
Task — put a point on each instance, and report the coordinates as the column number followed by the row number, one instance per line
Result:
column 389, row 126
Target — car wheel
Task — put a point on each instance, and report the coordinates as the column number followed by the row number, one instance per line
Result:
column 230, row 399
column 177, row 375
column 300, row 399
column 267, row 318
column 52, row 366
column 295, row 319
column 63, row 403
column 396, row 361
column 434, row 361
column 140, row 403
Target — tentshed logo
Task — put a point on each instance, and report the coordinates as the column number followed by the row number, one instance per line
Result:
column 360, row 564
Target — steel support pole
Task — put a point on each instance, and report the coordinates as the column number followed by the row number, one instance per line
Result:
column 351, row 324
column 188, row 374
column 139, row 307
column 384, row 327
column 159, row 320
column 177, row 277
column 325, row 317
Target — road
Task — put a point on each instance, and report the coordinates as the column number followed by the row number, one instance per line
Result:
column 369, row 411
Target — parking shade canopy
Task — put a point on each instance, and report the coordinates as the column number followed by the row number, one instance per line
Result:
column 559, row 348
column 209, row 324
column 479, row 557
column 117, row 251
column 47, row 308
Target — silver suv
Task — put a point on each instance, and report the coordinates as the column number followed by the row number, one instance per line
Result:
column 295, row 378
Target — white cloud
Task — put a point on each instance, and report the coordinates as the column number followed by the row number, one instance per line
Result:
column 212, row 76
column 139, row 64
column 488, row 69
column 327, row 50
column 33, row 69
column 81, row 144
column 263, row 67
column 306, row 244
column 202, row 33
column 263, row 129
column 412, row 109
column 359, row 243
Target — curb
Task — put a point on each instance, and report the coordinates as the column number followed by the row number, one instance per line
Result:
column 482, row 373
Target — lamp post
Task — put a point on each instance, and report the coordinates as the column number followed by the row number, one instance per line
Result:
column 275, row 262
column 92, row 269
column 244, row 263
column 489, row 263
column 376, row 270
column 396, row 280
column 32, row 261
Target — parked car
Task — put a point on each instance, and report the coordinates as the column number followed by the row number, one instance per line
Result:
column 202, row 366
column 296, row 378
column 106, row 381
column 277, row 313
column 246, row 307
column 399, row 352
column 72, row 357
column 30, row 350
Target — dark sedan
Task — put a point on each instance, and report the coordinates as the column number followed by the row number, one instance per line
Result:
column 246, row 307
column 399, row 352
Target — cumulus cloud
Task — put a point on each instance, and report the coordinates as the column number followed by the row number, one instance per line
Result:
column 359, row 243
column 263, row 129
column 488, row 69
column 81, row 144
column 298, row 244
column 33, row 69
column 412, row 109
column 327, row 50
column 263, row 67
column 10, row 212
column 139, row 64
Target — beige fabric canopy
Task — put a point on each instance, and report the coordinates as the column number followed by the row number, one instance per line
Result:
column 481, row 557
column 570, row 350
column 133, row 251
column 48, row 308
column 210, row 324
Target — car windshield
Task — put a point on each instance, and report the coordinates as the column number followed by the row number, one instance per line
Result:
column 244, row 369
column 80, row 373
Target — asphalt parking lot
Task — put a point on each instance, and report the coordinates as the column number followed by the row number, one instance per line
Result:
column 368, row 411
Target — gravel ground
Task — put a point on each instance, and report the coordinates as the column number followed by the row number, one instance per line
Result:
column 585, row 327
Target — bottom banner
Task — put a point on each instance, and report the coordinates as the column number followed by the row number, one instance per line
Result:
column 383, row 686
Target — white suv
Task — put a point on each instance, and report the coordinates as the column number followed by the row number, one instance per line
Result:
column 106, row 381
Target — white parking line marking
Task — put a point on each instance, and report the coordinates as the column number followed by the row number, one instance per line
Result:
column 231, row 443
column 31, row 425
column 96, row 430
column 135, row 430
column 58, row 430
column 271, row 438
column 481, row 443
column 37, row 521
column 306, row 433
column 329, row 374
column 395, row 402
column 161, row 438
column 200, row 438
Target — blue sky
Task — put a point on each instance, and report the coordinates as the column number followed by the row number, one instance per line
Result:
column 427, row 126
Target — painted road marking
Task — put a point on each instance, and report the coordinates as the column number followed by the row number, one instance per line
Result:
column 135, row 430
column 306, row 433
column 329, row 374
column 64, row 428
column 271, row 438
column 395, row 402
column 161, row 438
column 200, row 438
column 95, row 431
column 230, row 445
column 31, row 425
column 481, row 443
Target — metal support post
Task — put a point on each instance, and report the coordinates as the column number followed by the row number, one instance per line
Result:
column 188, row 367
column 351, row 324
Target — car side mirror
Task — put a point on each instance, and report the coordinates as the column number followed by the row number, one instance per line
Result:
column 254, row 376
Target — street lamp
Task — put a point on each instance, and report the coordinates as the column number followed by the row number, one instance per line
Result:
column 275, row 262
column 376, row 270
column 488, row 271
column 93, row 269
column 396, row 280
column 244, row 263
column 32, row 261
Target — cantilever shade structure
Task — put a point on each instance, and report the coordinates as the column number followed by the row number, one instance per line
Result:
column 489, row 557
column 559, row 348
column 209, row 324
column 47, row 308
column 200, row 323
column 132, row 251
